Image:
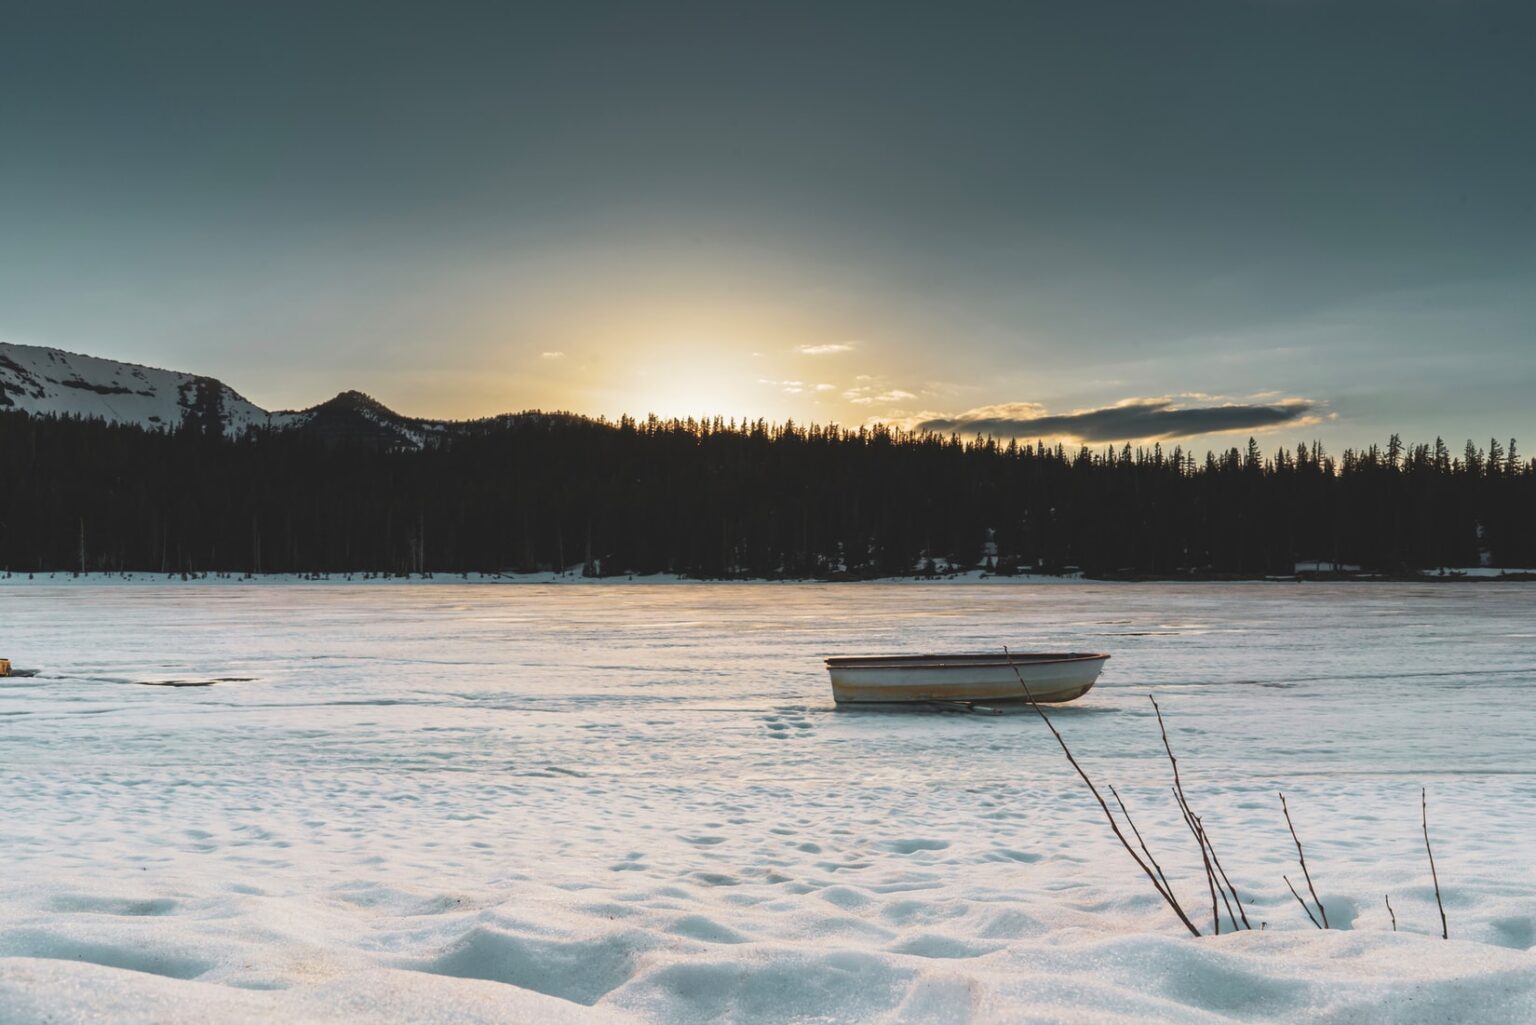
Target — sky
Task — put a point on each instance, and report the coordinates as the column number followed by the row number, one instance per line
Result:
column 1093, row 221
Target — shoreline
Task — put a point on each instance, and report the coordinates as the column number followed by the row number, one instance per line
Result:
column 975, row 577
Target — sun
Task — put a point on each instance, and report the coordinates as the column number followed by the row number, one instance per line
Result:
column 685, row 357
column 696, row 379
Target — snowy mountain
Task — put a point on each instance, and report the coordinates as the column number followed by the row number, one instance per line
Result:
column 44, row 381
column 51, row 382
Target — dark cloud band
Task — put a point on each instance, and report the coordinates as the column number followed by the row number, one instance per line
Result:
column 1138, row 418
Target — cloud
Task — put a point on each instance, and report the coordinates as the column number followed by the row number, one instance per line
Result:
column 1127, row 420
column 864, row 395
column 829, row 349
column 788, row 387
column 551, row 355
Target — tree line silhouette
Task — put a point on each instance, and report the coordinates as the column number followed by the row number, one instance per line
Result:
column 716, row 499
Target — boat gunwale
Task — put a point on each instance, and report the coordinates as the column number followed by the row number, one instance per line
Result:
column 958, row 661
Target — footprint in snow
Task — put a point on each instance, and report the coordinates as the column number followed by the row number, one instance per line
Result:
column 782, row 723
column 937, row 946
column 1008, row 854
column 124, row 906
column 913, row 846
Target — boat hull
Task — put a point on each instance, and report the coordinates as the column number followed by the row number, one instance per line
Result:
column 1050, row 678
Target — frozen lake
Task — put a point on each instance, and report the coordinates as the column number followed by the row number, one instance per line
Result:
column 637, row 803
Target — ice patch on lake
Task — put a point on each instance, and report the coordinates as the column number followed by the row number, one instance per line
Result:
column 637, row 805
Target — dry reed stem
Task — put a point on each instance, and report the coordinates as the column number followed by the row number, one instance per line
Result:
column 1242, row 911
column 1219, row 888
column 1303, row 859
column 1167, row 895
column 1445, row 933
column 1196, row 825
column 1210, row 876
column 1388, row 898
column 1301, row 902
column 1132, row 822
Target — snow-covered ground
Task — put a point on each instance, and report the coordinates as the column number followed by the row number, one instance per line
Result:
column 637, row 804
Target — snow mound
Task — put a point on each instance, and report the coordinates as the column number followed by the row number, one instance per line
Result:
column 43, row 992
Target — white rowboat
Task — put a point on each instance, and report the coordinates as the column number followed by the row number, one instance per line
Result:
column 1051, row 677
